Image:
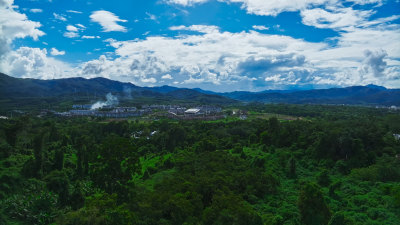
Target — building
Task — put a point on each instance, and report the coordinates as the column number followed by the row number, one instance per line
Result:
column 124, row 109
column 193, row 112
column 86, row 107
column 177, row 111
column 76, row 112
column 209, row 110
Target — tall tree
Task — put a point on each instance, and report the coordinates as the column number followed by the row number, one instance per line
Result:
column 312, row 206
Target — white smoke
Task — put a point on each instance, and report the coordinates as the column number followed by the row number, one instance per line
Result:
column 128, row 92
column 111, row 100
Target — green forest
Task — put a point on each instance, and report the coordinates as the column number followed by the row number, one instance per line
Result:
column 331, row 165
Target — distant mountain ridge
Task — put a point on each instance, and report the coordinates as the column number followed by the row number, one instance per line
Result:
column 11, row 87
column 370, row 95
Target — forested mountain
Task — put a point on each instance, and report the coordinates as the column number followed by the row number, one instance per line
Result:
column 360, row 95
column 15, row 92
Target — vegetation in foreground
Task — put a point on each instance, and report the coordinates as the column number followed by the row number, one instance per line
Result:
column 338, row 165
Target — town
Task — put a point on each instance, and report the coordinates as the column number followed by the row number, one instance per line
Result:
column 204, row 112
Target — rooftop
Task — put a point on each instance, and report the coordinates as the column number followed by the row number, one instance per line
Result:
column 193, row 110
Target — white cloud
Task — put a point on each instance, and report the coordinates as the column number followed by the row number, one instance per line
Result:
column 374, row 62
column 36, row 10
column 73, row 31
column 74, row 11
column 210, row 57
column 337, row 18
column 89, row 37
column 71, row 34
column 198, row 28
column 149, row 80
column 364, row 52
column 15, row 25
column 260, row 27
column 108, row 21
column 81, row 26
column 34, row 62
column 274, row 7
column 225, row 61
column 263, row 7
column 59, row 17
column 151, row 16
column 167, row 77
column 185, row 2
column 72, row 28
column 56, row 52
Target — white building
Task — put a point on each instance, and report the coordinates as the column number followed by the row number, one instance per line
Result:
column 193, row 112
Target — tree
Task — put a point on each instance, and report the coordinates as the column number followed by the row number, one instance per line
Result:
column 333, row 187
column 323, row 178
column 252, row 139
column 312, row 206
column 265, row 138
column 337, row 219
column 115, row 164
column 58, row 182
column 38, row 153
column 206, row 146
column 292, row 167
column 11, row 132
column 59, row 159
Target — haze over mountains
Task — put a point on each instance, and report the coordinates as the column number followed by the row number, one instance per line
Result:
column 11, row 87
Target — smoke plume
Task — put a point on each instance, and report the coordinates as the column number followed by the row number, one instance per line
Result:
column 111, row 100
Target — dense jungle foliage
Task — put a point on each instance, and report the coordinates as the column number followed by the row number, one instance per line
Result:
column 335, row 165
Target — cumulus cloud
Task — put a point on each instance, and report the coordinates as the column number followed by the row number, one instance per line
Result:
column 262, row 7
column 151, row 16
column 36, row 10
column 82, row 27
column 89, row 37
column 25, row 61
column 333, row 14
column 167, row 77
column 274, row 7
column 260, row 27
column 15, row 25
column 149, row 80
column 227, row 61
column 337, row 18
column 34, row 62
column 59, row 17
column 56, row 52
column 210, row 57
column 198, row 28
column 73, row 31
column 74, row 11
column 263, row 64
column 72, row 28
column 71, row 34
column 374, row 62
column 108, row 21
column 186, row 2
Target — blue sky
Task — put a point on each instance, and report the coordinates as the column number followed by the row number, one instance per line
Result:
column 224, row 45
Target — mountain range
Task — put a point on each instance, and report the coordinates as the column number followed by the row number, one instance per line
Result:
column 14, row 88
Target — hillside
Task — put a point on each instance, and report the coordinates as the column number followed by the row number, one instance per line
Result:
column 355, row 95
column 19, row 90
column 14, row 88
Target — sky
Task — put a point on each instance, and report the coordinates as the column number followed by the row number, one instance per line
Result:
column 217, row 45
